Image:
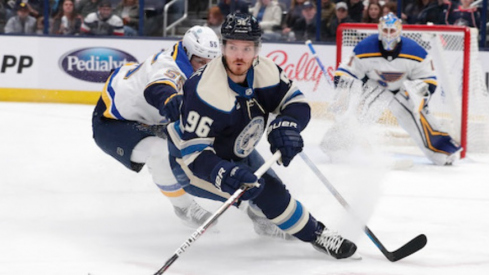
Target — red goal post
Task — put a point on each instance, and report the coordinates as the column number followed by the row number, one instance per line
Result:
column 437, row 40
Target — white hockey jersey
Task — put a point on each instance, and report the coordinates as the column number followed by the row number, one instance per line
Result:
column 136, row 91
column 409, row 61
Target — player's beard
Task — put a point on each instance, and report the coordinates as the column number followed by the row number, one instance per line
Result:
column 238, row 66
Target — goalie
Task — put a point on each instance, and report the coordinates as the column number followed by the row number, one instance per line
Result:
column 392, row 68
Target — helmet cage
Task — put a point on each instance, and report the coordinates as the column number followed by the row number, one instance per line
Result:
column 390, row 28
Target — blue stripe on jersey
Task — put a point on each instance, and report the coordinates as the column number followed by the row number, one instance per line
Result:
column 294, row 218
column 182, row 61
column 411, row 47
column 113, row 108
column 170, row 188
column 295, row 94
column 193, row 149
column 156, row 57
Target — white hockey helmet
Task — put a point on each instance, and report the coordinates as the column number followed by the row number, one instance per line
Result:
column 390, row 28
column 202, row 42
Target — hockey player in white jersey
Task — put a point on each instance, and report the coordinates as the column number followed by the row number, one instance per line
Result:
column 226, row 106
column 137, row 103
column 395, row 68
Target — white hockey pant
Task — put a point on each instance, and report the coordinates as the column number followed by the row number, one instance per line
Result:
column 154, row 152
column 437, row 145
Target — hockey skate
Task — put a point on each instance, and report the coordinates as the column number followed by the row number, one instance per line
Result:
column 265, row 227
column 193, row 216
column 333, row 244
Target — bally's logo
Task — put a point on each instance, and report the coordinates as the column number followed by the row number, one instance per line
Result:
column 94, row 64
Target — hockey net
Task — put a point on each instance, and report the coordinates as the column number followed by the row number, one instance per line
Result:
column 461, row 102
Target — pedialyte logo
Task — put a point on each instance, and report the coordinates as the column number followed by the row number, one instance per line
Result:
column 94, row 64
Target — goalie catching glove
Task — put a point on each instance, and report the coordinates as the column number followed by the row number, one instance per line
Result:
column 284, row 135
column 229, row 177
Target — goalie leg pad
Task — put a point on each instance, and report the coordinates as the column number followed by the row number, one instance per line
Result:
column 437, row 145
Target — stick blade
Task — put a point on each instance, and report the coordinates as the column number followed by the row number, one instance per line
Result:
column 411, row 247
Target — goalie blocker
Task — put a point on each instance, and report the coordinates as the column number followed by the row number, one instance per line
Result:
column 371, row 100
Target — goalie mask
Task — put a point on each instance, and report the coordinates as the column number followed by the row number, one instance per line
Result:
column 202, row 42
column 390, row 28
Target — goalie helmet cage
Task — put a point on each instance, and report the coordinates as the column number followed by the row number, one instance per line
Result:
column 461, row 101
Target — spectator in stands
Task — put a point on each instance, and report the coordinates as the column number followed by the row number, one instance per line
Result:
column 22, row 23
column 372, row 14
column 128, row 10
column 40, row 24
column 388, row 8
column 461, row 14
column 67, row 21
column 355, row 10
column 36, row 7
column 285, row 4
column 85, row 7
column 424, row 11
column 269, row 16
column 380, row 2
column 305, row 27
column 215, row 20
column 239, row 6
column 293, row 14
column 103, row 22
column 3, row 15
column 341, row 16
column 327, row 10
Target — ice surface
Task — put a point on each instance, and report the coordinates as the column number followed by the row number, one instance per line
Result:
column 67, row 208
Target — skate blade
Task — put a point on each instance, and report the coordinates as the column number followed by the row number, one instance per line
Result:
column 355, row 257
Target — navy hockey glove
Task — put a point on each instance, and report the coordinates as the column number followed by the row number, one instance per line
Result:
column 228, row 177
column 171, row 109
column 284, row 135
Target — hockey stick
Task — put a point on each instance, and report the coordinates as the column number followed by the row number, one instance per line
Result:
column 409, row 248
column 217, row 214
column 320, row 64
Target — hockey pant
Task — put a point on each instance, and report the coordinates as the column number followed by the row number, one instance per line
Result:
column 134, row 146
column 437, row 145
column 274, row 201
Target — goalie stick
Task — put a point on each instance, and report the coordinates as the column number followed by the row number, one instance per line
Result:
column 409, row 248
column 320, row 64
column 217, row 214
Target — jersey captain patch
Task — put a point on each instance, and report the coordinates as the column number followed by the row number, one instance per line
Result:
column 390, row 76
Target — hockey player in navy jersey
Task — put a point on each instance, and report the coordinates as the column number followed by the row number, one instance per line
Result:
column 137, row 103
column 394, row 68
column 226, row 107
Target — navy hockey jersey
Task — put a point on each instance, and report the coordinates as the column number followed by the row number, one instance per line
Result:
column 221, row 119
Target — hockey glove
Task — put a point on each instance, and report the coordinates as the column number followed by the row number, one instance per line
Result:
column 171, row 109
column 284, row 135
column 228, row 177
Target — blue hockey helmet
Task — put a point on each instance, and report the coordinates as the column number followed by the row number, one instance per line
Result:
column 390, row 28
column 240, row 26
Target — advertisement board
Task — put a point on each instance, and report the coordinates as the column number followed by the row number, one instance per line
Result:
column 49, row 68
column 74, row 69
